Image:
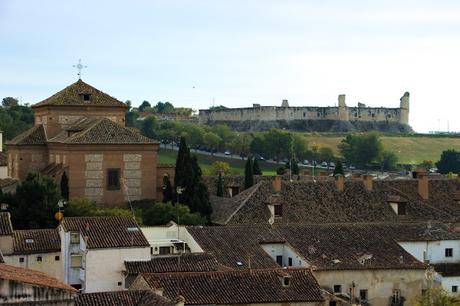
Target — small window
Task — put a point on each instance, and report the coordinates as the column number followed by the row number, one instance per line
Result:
column 396, row 298
column 57, row 258
column 86, row 97
column 165, row 250
column 356, row 115
column 449, row 252
column 363, row 295
column 279, row 260
column 286, row 281
column 290, row 262
column 75, row 261
column 119, row 283
column 337, row 288
column 39, row 259
column 373, row 115
column 113, row 179
column 304, row 115
column 401, row 209
column 278, row 210
column 21, row 259
column 454, row 289
column 74, row 238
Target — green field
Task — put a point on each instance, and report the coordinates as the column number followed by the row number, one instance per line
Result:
column 410, row 149
column 205, row 161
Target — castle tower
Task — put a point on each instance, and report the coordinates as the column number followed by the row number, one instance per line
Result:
column 343, row 111
column 404, row 109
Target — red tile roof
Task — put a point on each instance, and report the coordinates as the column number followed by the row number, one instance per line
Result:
column 73, row 95
column 238, row 287
column 32, row 277
column 6, row 228
column 36, row 135
column 36, row 241
column 107, row 232
column 125, row 298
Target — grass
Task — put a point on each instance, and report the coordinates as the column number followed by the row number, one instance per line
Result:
column 410, row 149
column 166, row 156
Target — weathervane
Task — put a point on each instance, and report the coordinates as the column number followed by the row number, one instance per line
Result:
column 79, row 66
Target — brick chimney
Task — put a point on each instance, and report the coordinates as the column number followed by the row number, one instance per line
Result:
column 339, row 182
column 367, row 181
column 276, row 183
column 422, row 178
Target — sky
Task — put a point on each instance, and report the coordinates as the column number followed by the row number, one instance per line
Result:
column 200, row 53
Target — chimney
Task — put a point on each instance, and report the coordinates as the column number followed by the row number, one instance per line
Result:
column 367, row 181
column 277, row 183
column 422, row 178
column 339, row 182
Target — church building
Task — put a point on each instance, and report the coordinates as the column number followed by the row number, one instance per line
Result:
column 80, row 131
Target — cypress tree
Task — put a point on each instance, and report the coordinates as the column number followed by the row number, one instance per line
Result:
column 248, row 174
column 65, row 186
column 167, row 190
column 338, row 168
column 220, row 186
column 255, row 167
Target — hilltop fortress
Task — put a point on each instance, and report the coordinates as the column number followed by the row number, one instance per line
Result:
column 341, row 118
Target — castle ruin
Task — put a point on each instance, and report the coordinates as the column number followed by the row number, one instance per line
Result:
column 341, row 118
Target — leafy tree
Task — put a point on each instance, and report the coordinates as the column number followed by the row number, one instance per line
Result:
column 15, row 120
column 338, row 168
column 299, row 146
column 248, row 173
column 220, row 167
column 449, row 162
column 280, row 171
column 148, row 127
column 65, row 186
column 10, row 102
column 220, row 186
column 167, row 189
column 162, row 213
column 361, row 149
column 294, row 168
column 326, row 154
column 426, row 164
column 211, row 140
column 437, row 297
column 144, row 105
column 217, row 107
column 35, row 203
column 165, row 107
column 256, row 168
column 84, row 207
column 388, row 161
column 130, row 118
column 199, row 201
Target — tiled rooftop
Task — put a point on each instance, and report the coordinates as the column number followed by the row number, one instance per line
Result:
column 238, row 287
column 6, row 228
column 123, row 298
column 34, row 136
column 36, row 241
column 73, row 95
column 107, row 232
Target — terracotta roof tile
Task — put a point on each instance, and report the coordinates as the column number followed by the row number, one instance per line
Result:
column 6, row 227
column 107, row 232
column 32, row 277
column 238, row 287
column 73, row 95
column 34, row 136
column 36, row 241
column 122, row 298
column 101, row 131
column 188, row 262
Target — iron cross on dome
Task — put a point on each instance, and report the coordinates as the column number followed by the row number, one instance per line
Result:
column 79, row 66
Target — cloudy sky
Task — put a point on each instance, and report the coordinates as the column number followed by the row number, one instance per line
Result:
column 236, row 53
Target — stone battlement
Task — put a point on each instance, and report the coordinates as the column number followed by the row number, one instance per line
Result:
column 347, row 118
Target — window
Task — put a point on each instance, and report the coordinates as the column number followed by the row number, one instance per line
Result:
column 449, row 252
column 76, row 286
column 74, row 238
column 279, row 260
column 57, row 258
column 113, row 179
column 363, row 295
column 119, row 283
column 75, row 261
column 396, row 298
column 39, row 259
column 454, row 289
column 286, row 281
column 86, row 97
column 21, row 259
column 401, row 209
column 304, row 115
column 290, row 262
column 165, row 250
column 337, row 288
column 278, row 210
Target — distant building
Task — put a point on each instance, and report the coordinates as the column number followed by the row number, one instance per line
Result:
column 81, row 131
column 3, row 160
column 341, row 118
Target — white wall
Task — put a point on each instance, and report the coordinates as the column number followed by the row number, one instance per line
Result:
column 104, row 267
column 435, row 250
column 282, row 249
column 448, row 282
column 48, row 265
column 3, row 172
